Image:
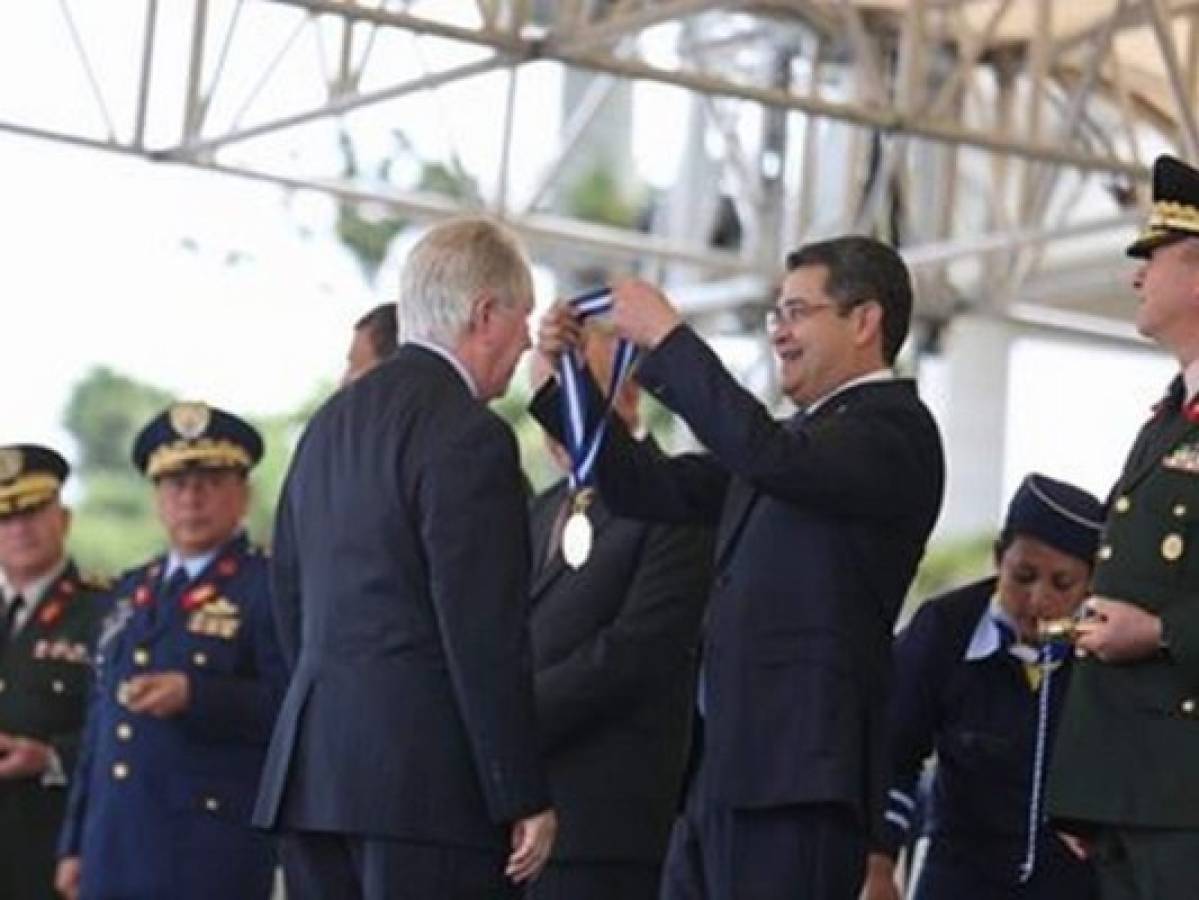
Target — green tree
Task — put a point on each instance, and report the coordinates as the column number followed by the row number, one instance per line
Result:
column 105, row 412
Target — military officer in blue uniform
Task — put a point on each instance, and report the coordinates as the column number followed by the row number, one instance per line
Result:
column 1125, row 780
column 977, row 684
column 188, row 680
column 49, row 617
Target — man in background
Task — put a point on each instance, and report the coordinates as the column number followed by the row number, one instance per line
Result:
column 188, row 681
column 49, row 618
column 1124, row 780
column 374, row 340
column 614, row 653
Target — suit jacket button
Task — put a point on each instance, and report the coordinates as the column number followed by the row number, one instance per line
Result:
column 57, row 686
column 200, row 659
column 120, row 771
column 1105, row 552
column 1172, row 547
column 124, row 732
column 1180, row 509
column 141, row 656
column 212, row 804
column 1187, row 706
column 1122, row 504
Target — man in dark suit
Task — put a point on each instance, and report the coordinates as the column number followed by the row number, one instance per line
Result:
column 822, row 521
column 1124, row 778
column 188, row 680
column 375, row 339
column 405, row 760
column 614, row 653
column 49, row 617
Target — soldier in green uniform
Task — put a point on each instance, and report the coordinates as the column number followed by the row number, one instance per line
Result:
column 1125, row 778
column 49, row 618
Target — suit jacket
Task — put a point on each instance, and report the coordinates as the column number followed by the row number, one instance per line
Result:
column 614, row 648
column 1130, row 734
column 401, row 594
column 45, row 676
column 160, row 807
column 821, row 526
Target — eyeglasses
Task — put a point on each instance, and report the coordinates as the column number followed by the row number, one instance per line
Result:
column 791, row 313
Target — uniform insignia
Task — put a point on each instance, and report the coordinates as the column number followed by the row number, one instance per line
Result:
column 227, row 567
column 198, row 596
column 142, row 596
column 1183, row 458
column 41, row 649
column 11, row 463
column 219, row 618
column 190, row 420
column 50, row 613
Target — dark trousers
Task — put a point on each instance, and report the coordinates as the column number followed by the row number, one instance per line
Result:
column 1147, row 863
column 803, row 852
column 953, row 871
column 596, row 881
column 318, row 866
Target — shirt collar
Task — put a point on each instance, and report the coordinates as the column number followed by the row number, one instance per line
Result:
column 192, row 565
column 34, row 591
column 1190, row 378
column 868, row 378
column 988, row 637
column 449, row 357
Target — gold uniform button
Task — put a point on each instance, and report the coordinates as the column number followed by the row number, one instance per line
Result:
column 141, row 656
column 200, row 659
column 1172, row 547
column 212, row 804
column 1105, row 552
column 1187, row 706
column 1122, row 504
column 124, row 732
column 120, row 771
column 1180, row 509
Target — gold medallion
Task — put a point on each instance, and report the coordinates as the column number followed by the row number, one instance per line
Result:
column 1172, row 547
column 577, row 535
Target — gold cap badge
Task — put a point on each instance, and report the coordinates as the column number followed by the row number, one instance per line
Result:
column 12, row 461
column 190, row 420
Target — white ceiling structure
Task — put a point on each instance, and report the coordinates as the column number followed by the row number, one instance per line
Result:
column 1003, row 145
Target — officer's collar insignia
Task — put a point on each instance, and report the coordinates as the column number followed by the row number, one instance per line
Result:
column 198, row 596
column 190, row 420
column 1183, row 458
column 11, row 463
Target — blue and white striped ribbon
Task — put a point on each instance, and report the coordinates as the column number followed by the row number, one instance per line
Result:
column 584, row 449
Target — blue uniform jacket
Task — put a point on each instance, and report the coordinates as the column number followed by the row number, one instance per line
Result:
column 980, row 717
column 161, row 807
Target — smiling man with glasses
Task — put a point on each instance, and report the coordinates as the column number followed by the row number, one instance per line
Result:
column 821, row 522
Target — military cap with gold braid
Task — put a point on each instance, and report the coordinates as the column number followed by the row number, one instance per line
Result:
column 195, row 436
column 1175, row 211
column 30, row 475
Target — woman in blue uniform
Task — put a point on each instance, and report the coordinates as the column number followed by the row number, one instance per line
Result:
column 976, row 685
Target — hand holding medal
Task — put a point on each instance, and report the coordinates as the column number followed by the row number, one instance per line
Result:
column 582, row 446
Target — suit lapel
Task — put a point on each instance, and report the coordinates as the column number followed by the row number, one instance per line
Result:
column 742, row 496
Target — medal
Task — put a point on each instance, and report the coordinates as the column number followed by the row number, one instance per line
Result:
column 577, row 533
column 583, row 446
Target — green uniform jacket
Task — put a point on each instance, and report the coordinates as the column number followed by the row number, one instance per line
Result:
column 45, row 675
column 1128, row 746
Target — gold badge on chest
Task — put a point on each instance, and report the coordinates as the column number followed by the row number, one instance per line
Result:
column 1172, row 547
column 220, row 619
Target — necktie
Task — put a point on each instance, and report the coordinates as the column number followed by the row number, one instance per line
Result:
column 11, row 615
